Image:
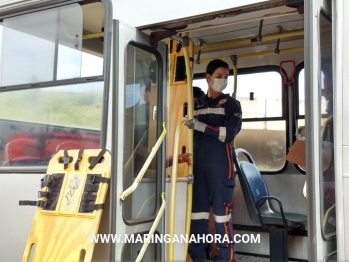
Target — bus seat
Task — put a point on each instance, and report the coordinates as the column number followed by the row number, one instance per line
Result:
column 260, row 208
column 68, row 145
column 29, row 161
column 24, row 148
column 254, row 188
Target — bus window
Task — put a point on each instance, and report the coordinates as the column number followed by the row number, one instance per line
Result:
column 37, row 123
column 42, row 46
column 327, row 179
column 140, row 131
column 38, row 50
column 300, row 115
column 263, row 132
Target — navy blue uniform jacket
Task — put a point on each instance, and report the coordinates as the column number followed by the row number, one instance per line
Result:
column 222, row 116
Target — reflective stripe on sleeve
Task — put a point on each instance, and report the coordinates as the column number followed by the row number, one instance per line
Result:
column 222, row 133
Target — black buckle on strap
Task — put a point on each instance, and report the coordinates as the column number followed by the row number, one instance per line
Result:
column 42, row 194
column 90, row 207
column 77, row 163
column 46, row 181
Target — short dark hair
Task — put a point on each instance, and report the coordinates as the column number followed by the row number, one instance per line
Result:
column 214, row 64
column 197, row 92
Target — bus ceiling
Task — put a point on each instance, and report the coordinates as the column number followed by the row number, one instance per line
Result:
column 185, row 24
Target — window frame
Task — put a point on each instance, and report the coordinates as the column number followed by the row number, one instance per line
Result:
column 299, row 68
column 160, row 159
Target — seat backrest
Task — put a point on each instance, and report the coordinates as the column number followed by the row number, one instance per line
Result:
column 252, row 183
column 24, row 148
column 69, row 145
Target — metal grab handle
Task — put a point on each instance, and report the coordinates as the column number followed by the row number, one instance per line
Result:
column 141, row 173
column 152, row 230
column 287, row 81
column 280, row 206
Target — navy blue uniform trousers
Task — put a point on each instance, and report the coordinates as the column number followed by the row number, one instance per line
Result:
column 214, row 183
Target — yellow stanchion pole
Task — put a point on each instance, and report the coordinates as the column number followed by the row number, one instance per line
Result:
column 170, row 251
column 152, row 230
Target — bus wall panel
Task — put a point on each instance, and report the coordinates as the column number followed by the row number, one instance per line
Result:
column 297, row 245
column 346, row 212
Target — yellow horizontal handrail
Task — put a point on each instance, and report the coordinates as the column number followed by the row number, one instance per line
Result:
column 272, row 52
column 141, row 173
column 249, row 40
column 93, row 35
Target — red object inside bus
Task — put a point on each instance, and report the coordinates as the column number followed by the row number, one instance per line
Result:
column 30, row 146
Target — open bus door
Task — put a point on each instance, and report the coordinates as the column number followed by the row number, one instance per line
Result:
column 320, row 135
column 139, row 72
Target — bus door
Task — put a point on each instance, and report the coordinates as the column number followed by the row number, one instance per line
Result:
column 138, row 113
column 320, row 168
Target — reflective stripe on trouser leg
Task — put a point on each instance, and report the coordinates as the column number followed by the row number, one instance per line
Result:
column 224, row 228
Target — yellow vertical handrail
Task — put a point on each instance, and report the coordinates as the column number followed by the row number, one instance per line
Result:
column 190, row 140
column 170, row 251
column 152, row 230
column 175, row 160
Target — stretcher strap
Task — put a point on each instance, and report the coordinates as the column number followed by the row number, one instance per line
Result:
column 90, row 192
column 89, row 197
column 91, row 188
column 46, row 181
column 54, row 184
column 97, row 159
column 90, row 207
column 39, row 203
column 77, row 163
column 65, row 159
column 98, row 179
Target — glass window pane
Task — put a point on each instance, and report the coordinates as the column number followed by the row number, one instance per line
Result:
column 266, row 142
column 260, row 94
column 140, row 131
column 328, row 216
column 42, row 46
column 36, row 123
column 301, row 93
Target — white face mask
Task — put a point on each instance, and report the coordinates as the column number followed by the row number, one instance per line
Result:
column 219, row 84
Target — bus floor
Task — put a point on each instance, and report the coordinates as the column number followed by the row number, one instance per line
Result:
column 245, row 258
